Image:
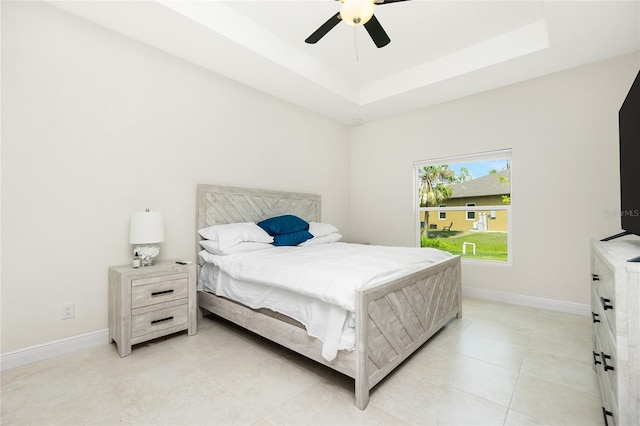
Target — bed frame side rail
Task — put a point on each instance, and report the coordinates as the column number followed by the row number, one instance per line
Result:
column 285, row 334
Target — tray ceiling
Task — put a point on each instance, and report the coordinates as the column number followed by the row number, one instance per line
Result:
column 439, row 50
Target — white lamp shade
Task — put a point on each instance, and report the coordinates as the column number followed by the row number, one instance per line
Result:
column 146, row 228
column 356, row 12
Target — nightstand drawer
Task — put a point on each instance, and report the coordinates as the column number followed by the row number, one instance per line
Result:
column 172, row 315
column 157, row 292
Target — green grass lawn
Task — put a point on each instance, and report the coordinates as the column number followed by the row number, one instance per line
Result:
column 489, row 245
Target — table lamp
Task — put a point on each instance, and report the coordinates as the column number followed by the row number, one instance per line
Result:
column 147, row 230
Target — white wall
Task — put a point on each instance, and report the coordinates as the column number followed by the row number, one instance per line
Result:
column 563, row 132
column 96, row 126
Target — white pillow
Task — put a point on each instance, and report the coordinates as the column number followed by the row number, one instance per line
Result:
column 213, row 247
column 318, row 229
column 231, row 234
column 331, row 238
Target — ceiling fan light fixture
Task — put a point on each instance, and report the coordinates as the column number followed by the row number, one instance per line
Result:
column 356, row 12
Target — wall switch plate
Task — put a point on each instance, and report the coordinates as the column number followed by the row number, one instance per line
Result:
column 68, row 311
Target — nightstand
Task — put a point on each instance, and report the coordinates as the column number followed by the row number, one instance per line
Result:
column 149, row 302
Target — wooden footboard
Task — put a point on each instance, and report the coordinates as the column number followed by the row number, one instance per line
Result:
column 396, row 318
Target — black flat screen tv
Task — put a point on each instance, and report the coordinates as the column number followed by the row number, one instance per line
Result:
column 629, row 122
column 629, row 129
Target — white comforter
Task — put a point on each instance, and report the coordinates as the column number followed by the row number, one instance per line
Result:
column 329, row 272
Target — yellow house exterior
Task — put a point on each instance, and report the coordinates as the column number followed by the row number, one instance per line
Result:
column 488, row 190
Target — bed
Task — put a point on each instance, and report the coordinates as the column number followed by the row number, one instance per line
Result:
column 392, row 318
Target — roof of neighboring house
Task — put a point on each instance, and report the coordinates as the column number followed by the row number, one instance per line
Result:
column 483, row 186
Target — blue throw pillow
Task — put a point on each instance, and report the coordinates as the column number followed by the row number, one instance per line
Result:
column 283, row 225
column 292, row 238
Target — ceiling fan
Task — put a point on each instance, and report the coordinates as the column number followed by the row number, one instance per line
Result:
column 356, row 12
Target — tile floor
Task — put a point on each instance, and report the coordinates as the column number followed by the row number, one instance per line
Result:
column 499, row 365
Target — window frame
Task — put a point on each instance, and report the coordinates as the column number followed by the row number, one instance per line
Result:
column 501, row 154
column 471, row 212
column 442, row 214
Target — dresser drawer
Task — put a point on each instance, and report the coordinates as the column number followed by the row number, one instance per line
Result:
column 609, row 407
column 604, row 301
column 171, row 314
column 607, row 360
column 158, row 290
column 601, row 317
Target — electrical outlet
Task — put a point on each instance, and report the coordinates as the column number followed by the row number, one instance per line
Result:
column 68, row 311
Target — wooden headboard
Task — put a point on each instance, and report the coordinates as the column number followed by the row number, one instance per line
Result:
column 218, row 205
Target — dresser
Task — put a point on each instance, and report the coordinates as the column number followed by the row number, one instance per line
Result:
column 149, row 302
column 615, row 306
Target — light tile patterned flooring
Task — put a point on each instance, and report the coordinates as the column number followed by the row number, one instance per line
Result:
column 499, row 365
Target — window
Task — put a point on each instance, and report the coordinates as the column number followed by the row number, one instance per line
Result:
column 442, row 215
column 471, row 215
column 471, row 194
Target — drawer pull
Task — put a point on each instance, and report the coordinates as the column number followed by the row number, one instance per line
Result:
column 595, row 358
column 595, row 317
column 595, row 277
column 605, row 414
column 159, row 293
column 606, row 366
column 606, row 303
column 163, row 319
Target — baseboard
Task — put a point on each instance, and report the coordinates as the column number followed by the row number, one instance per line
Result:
column 48, row 350
column 532, row 301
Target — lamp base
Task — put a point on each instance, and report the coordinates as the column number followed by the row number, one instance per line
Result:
column 147, row 262
column 147, row 254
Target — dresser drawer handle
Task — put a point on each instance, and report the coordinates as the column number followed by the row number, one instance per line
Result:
column 160, row 320
column 605, row 414
column 606, row 366
column 595, row 277
column 606, row 303
column 595, row 358
column 158, row 293
column 595, row 317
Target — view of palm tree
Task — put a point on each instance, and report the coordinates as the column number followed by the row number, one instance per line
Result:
column 434, row 188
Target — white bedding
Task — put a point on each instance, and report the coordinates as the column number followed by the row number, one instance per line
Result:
column 328, row 272
column 332, row 325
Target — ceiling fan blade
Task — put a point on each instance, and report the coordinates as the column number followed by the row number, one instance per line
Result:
column 324, row 29
column 381, row 2
column 377, row 33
